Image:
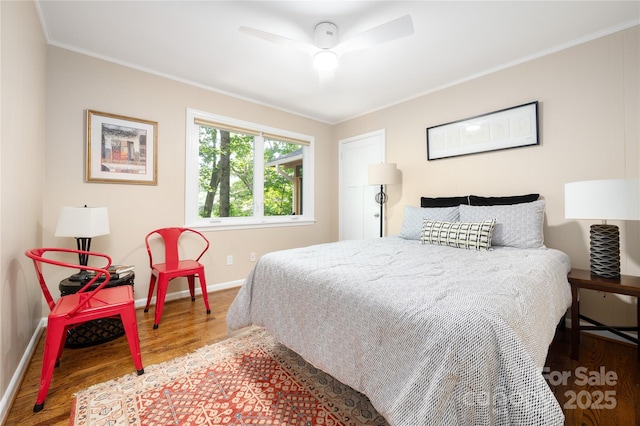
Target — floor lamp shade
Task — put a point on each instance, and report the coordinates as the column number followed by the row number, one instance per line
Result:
column 611, row 199
column 382, row 174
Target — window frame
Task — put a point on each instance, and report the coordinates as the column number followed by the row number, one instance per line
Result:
column 258, row 220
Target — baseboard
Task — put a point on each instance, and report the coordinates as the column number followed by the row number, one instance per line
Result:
column 604, row 333
column 16, row 379
column 141, row 303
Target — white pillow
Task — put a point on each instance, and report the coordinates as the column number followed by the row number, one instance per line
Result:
column 466, row 235
column 414, row 218
column 517, row 225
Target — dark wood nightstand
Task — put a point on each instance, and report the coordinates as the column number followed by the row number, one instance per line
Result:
column 580, row 278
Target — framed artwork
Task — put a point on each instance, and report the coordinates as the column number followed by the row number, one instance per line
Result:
column 121, row 149
column 507, row 128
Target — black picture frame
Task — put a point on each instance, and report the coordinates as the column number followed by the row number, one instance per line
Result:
column 507, row 128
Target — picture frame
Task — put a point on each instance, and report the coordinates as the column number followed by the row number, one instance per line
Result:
column 503, row 129
column 121, row 149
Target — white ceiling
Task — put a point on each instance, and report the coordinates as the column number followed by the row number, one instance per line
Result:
column 199, row 42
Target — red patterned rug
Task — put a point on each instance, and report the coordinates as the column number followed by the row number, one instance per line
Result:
column 245, row 380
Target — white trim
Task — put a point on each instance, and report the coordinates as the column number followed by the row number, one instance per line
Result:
column 286, row 221
column 14, row 385
column 141, row 303
column 191, row 218
column 380, row 133
column 492, row 70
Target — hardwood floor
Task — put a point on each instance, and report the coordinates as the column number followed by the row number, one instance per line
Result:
column 602, row 388
column 186, row 327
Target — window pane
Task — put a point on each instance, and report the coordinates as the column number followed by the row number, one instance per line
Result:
column 243, row 175
column 282, row 178
column 225, row 173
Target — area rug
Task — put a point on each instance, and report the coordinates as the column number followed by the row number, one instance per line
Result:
column 245, row 380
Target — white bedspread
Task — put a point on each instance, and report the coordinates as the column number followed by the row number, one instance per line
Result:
column 432, row 335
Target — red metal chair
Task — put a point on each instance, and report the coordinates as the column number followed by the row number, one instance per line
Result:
column 85, row 305
column 174, row 266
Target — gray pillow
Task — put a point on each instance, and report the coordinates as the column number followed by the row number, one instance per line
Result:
column 414, row 218
column 517, row 225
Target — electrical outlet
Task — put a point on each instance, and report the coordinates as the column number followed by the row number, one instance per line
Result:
column 230, row 260
column 252, row 256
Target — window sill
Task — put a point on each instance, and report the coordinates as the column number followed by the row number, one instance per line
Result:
column 222, row 226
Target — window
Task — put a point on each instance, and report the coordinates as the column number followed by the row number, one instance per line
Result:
column 241, row 174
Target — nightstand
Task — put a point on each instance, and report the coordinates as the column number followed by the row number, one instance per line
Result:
column 625, row 284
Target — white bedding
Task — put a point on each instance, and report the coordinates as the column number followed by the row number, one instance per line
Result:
column 433, row 335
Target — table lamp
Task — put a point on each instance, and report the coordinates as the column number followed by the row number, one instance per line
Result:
column 382, row 174
column 611, row 199
column 82, row 223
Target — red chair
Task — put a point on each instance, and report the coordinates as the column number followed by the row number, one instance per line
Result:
column 85, row 305
column 174, row 266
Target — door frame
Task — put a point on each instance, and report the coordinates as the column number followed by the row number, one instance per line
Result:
column 382, row 158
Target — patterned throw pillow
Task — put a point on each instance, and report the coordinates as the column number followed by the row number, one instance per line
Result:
column 467, row 235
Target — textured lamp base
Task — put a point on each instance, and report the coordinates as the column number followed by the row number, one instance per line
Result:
column 605, row 251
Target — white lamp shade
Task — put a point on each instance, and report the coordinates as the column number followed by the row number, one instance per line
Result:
column 82, row 222
column 382, row 174
column 614, row 199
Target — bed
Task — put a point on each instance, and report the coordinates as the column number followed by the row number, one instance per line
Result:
column 432, row 331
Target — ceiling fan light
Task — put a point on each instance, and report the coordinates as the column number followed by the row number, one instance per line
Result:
column 325, row 60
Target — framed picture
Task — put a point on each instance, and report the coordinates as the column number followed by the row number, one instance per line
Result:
column 121, row 149
column 503, row 129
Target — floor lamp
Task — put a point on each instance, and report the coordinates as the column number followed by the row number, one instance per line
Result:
column 612, row 199
column 382, row 174
column 82, row 223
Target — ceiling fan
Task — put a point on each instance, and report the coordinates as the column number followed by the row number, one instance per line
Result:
column 327, row 46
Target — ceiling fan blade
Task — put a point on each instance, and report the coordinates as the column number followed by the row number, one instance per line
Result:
column 392, row 30
column 278, row 39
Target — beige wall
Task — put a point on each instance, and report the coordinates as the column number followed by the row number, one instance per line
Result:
column 589, row 121
column 77, row 82
column 23, row 53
